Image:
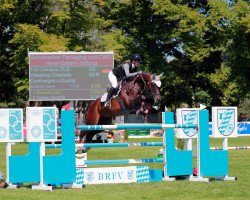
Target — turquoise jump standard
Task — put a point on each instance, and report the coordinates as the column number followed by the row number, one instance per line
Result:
column 61, row 169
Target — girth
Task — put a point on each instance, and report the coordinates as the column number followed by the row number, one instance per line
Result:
column 124, row 109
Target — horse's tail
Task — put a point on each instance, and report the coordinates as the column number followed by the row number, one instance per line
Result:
column 91, row 104
column 86, row 136
column 88, row 106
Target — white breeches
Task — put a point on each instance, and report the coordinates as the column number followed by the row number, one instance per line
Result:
column 112, row 79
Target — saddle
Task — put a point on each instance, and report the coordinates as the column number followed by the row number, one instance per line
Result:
column 120, row 84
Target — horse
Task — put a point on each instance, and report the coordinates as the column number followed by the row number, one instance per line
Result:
column 138, row 94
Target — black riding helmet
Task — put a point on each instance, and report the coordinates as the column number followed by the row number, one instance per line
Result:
column 136, row 57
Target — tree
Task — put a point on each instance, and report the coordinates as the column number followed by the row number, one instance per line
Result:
column 73, row 19
column 12, row 13
column 6, row 89
column 201, row 46
column 30, row 37
column 37, row 25
column 190, row 41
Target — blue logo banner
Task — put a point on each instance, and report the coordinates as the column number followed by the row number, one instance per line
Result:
column 243, row 128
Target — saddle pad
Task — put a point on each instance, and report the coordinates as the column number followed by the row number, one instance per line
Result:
column 104, row 97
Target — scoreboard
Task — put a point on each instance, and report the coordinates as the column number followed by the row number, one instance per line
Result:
column 61, row 76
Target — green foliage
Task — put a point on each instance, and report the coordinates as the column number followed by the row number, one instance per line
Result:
column 30, row 37
column 7, row 105
column 181, row 143
column 207, row 37
column 238, row 54
column 244, row 108
column 116, row 42
column 12, row 58
column 74, row 20
column 201, row 46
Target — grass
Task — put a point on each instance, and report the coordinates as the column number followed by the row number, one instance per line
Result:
column 239, row 162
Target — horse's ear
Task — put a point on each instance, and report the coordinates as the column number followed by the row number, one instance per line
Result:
column 160, row 75
column 153, row 76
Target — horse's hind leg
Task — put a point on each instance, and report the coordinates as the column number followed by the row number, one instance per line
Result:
column 105, row 121
column 82, row 136
column 87, row 136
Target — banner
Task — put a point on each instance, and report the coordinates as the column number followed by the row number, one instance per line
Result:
column 41, row 124
column 11, row 125
column 113, row 175
column 224, row 122
column 243, row 129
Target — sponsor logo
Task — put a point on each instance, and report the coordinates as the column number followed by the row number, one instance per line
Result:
column 90, row 176
column 189, row 117
column 226, row 121
column 36, row 131
column 35, row 112
column 130, row 174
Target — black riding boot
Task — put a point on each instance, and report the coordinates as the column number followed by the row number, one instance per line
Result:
column 110, row 94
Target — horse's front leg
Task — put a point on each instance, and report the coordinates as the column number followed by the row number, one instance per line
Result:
column 139, row 112
column 144, row 109
column 147, row 107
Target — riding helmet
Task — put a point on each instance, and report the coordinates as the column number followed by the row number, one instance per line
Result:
column 136, row 57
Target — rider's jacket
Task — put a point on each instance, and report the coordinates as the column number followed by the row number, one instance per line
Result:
column 120, row 73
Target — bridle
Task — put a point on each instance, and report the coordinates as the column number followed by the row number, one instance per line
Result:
column 146, row 91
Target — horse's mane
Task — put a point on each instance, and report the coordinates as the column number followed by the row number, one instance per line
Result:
column 138, row 78
column 142, row 75
column 145, row 76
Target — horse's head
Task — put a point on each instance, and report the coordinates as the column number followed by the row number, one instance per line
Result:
column 155, row 87
column 152, row 84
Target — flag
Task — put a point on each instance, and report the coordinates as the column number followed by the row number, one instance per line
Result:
column 66, row 107
column 202, row 106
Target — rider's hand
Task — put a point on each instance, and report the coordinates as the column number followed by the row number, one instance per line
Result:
column 139, row 72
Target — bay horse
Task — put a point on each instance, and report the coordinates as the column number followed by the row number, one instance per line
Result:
column 137, row 94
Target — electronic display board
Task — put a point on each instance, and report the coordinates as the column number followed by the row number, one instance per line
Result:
column 68, row 75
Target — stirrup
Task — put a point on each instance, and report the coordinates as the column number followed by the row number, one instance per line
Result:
column 107, row 104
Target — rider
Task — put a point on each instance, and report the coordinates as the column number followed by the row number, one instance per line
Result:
column 126, row 69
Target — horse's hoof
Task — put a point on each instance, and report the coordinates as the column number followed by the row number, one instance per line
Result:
column 79, row 150
column 84, row 150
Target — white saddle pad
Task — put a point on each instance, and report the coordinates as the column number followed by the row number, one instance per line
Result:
column 104, row 97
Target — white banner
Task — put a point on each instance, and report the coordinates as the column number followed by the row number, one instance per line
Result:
column 187, row 116
column 11, row 125
column 113, row 175
column 41, row 124
column 224, row 122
